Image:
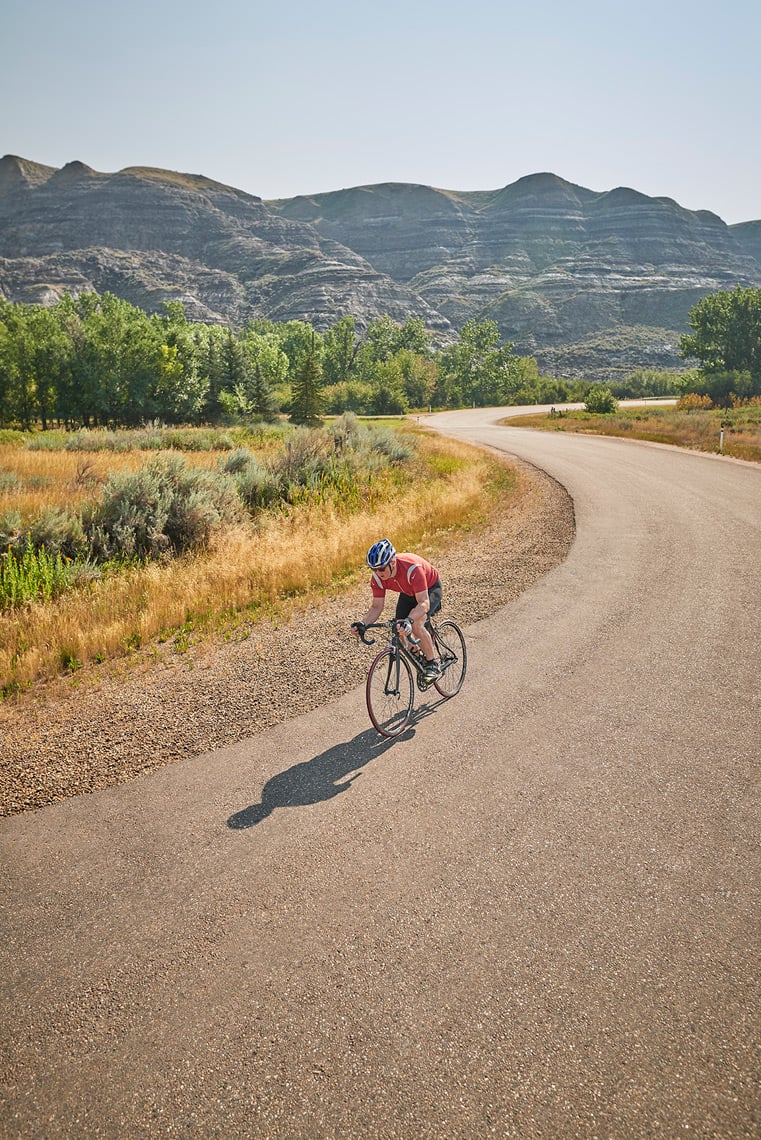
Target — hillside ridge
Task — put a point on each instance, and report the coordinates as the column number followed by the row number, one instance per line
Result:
column 589, row 282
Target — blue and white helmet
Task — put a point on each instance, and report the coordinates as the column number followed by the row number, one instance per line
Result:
column 380, row 554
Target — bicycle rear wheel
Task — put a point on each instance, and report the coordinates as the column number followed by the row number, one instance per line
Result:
column 453, row 658
column 389, row 692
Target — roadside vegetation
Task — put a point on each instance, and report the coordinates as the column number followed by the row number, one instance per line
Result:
column 109, row 547
column 735, row 431
column 719, row 404
column 159, row 477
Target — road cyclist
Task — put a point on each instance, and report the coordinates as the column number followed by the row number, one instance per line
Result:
column 416, row 649
column 418, row 585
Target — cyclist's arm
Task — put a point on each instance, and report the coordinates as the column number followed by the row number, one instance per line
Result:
column 375, row 611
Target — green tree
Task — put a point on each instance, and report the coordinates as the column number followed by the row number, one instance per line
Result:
column 208, row 342
column 299, row 341
column 350, row 396
column 116, row 364
column 600, row 401
column 18, row 389
column 419, row 375
column 340, row 346
column 267, row 367
column 476, row 369
column 726, row 340
column 385, row 337
column 50, row 360
column 389, row 397
column 306, row 391
column 181, row 389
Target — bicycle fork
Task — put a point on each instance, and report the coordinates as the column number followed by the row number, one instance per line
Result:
column 391, row 687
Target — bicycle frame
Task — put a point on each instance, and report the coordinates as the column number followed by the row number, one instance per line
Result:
column 390, row 686
column 398, row 646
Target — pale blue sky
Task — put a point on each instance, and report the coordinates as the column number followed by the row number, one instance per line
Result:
column 281, row 99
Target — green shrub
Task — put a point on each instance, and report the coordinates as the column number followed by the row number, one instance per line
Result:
column 165, row 508
column 59, row 532
column 236, row 461
column 9, row 481
column 308, row 451
column 257, row 486
column 153, row 437
column 31, row 575
column 601, row 401
column 393, row 446
column 11, row 534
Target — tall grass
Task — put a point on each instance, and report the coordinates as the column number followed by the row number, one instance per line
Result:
column 736, row 432
column 68, row 479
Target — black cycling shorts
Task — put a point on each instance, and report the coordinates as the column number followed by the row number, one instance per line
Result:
column 407, row 602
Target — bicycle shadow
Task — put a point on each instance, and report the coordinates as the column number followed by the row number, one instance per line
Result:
column 322, row 778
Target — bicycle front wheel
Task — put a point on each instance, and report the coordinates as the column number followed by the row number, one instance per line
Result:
column 453, row 658
column 390, row 692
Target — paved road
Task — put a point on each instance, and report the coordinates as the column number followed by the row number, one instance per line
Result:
column 537, row 915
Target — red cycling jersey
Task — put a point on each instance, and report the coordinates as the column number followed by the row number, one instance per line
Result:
column 413, row 576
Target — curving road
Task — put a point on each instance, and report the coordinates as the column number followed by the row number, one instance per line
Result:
column 536, row 915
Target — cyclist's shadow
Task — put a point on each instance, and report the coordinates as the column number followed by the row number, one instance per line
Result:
column 321, row 778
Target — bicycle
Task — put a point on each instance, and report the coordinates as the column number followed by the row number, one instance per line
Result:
column 390, row 690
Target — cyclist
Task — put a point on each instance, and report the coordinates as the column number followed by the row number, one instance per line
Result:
column 419, row 587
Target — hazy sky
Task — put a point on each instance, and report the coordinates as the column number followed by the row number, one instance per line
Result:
column 281, row 99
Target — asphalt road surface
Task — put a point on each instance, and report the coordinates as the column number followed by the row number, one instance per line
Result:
column 535, row 915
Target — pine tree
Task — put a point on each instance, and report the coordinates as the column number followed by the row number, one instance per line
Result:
column 306, row 392
column 263, row 402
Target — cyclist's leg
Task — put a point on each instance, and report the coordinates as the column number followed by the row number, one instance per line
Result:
column 434, row 599
column 404, row 607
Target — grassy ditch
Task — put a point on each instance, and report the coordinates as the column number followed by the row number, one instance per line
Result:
column 699, row 429
column 295, row 515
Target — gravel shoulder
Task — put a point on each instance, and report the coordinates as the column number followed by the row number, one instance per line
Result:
column 160, row 706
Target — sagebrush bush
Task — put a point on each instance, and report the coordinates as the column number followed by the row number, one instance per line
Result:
column 306, row 451
column 257, row 486
column 59, row 532
column 236, row 461
column 12, row 534
column 162, row 509
column 390, row 444
column 346, row 431
column 9, row 481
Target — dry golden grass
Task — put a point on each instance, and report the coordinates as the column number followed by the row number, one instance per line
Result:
column 69, row 478
column 252, row 568
column 698, row 430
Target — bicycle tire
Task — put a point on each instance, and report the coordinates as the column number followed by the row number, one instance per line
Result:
column 453, row 658
column 390, row 709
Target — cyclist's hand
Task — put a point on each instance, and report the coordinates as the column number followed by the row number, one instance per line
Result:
column 404, row 626
column 358, row 628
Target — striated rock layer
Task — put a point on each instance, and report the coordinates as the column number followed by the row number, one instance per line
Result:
column 590, row 283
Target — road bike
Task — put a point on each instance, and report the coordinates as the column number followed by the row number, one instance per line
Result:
column 390, row 687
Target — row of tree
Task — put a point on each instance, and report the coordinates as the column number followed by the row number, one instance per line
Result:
column 97, row 360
